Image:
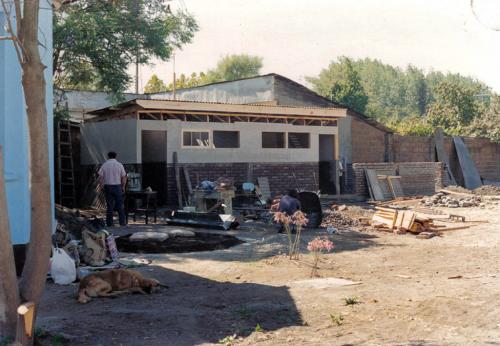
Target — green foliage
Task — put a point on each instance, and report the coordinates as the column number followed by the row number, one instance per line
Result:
column 155, row 85
column 346, row 87
column 410, row 101
column 258, row 328
column 488, row 125
column 234, row 67
column 194, row 80
column 351, row 300
column 228, row 340
column 411, row 126
column 454, row 108
column 337, row 319
column 96, row 41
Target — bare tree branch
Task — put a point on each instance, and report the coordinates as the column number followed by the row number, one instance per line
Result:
column 478, row 19
column 17, row 45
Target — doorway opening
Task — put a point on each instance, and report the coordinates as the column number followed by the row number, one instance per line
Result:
column 327, row 164
column 154, row 162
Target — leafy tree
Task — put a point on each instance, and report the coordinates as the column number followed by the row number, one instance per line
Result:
column 400, row 98
column 194, row 80
column 95, row 41
column 411, row 126
column 415, row 91
column 155, row 85
column 488, row 125
column 234, row 67
column 347, row 88
column 454, row 108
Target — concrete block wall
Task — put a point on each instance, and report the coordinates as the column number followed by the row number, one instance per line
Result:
column 280, row 175
column 368, row 142
column 417, row 178
column 413, row 149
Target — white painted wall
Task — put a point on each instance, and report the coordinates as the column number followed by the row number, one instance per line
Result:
column 124, row 137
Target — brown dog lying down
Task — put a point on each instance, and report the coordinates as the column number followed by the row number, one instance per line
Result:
column 113, row 282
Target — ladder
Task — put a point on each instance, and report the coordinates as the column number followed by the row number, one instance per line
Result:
column 65, row 167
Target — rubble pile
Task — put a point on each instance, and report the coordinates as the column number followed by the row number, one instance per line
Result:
column 338, row 220
column 490, row 190
column 444, row 200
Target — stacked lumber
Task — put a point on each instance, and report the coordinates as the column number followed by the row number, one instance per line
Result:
column 401, row 221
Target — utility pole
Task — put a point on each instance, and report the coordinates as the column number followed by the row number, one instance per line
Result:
column 137, row 7
column 173, row 83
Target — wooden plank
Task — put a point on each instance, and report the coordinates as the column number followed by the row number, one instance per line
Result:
column 25, row 323
column 265, row 189
column 395, row 185
column 389, row 220
column 472, row 180
column 371, row 178
column 408, row 220
column 441, row 154
column 177, row 179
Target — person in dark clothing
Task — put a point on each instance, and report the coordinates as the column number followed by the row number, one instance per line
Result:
column 289, row 204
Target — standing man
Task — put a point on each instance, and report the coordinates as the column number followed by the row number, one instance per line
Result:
column 113, row 177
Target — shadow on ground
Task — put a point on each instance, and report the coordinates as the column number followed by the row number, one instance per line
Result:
column 259, row 242
column 193, row 310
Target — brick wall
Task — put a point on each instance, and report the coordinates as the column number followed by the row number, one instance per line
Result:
column 413, row 149
column 280, row 175
column 417, row 178
column 368, row 142
column 485, row 154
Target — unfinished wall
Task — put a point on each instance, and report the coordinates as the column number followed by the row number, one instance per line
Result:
column 98, row 138
column 417, row 178
column 413, row 149
column 485, row 154
column 368, row 142
column 282, row 176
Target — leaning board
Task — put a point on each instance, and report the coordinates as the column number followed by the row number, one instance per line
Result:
column 373, row 182
column 472, row 180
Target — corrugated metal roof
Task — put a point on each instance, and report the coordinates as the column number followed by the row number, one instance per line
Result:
column 217, row 107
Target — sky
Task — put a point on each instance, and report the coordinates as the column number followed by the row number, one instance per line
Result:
column 298, row 38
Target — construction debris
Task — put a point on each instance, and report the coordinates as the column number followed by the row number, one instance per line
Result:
column 442, row 199
column 401, row 221
column 338, row 220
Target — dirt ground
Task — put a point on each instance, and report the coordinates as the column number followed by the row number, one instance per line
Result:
column 439, row 291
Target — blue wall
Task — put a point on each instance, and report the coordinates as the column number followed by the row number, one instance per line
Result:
column 14, row 127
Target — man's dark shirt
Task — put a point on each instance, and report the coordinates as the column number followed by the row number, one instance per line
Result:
column 289, row 205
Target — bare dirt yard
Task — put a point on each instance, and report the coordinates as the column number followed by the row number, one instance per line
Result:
column 439, row 291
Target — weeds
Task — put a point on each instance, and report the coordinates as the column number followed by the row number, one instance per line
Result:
column 258, row 328
column 337, row 320
column 351, row 301
column 228, row 340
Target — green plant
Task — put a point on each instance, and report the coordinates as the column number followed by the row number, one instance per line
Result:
column 258, row 328
column 57, row 340
column 351, row 300
column 337, row 319
column 228, row 340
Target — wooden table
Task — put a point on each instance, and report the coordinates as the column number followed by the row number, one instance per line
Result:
column 149, row 203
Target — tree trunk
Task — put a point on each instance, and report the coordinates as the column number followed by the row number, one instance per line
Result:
column 9, row 292
column 32, row 282
column 35, row 269
column 36, row 266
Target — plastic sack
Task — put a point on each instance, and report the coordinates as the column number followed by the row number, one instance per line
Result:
column 62, row 267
